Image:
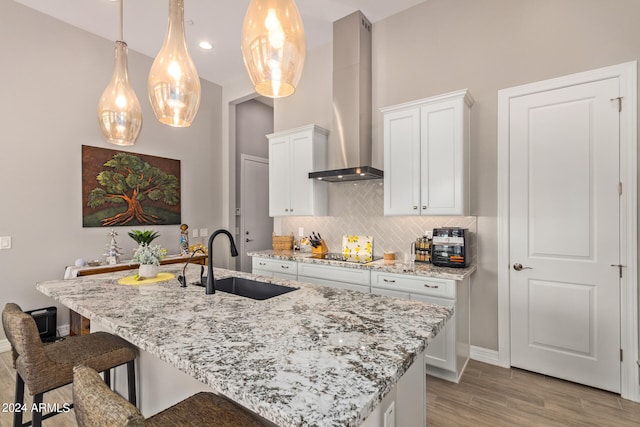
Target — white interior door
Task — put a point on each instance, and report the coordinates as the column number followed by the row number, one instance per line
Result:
column 255, row 224
column 564, row 217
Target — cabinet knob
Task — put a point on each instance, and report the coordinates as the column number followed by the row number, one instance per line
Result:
column 286, row 210
column 424, row 207
column 415, row 208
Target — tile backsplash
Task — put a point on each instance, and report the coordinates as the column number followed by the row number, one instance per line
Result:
column 358, row 208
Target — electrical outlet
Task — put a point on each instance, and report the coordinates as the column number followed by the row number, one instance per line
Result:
column 300, row 231
column 204, row 232
column 5, row 242
column 390, row 415
column 194, row 232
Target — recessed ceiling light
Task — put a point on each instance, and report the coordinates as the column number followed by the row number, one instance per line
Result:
column 205, row 45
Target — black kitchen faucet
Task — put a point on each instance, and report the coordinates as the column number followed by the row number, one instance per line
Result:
column 210, row 288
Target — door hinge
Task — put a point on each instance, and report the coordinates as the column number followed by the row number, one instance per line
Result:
column 619, row 189
column 621, row 358
column 619, row 99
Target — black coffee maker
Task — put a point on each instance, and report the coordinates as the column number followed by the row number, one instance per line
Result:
column 449, row 247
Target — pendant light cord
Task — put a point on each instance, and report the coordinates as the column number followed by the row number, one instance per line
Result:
column 121, row 20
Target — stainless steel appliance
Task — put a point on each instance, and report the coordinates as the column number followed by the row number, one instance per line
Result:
column 449, row 247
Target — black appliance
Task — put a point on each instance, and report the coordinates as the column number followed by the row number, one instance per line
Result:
column 449, row 247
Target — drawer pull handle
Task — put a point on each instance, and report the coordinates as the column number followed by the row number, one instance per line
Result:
column 431, row 286
column 284, row 266
column 262, row 263
column 389, row 281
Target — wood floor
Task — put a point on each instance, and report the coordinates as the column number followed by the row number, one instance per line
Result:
column 486, row 396
column 491, row 396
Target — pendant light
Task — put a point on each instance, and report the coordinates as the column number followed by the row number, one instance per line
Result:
column 119, row 112
column 273, row 46
column 174, row 85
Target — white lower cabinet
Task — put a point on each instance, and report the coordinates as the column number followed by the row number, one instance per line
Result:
column 355, row 279
column 448, row 354
column 278, row 269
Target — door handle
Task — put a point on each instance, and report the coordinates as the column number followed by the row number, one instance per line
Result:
column 248, row 240
column 619, row 268
column 517, row 267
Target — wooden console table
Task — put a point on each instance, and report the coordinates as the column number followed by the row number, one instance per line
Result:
column 80, row 325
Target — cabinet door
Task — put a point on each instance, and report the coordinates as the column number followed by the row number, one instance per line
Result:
column 442, row 158
column 279, row 176
column 302, row 188
column 441, row 351
column 402, row 162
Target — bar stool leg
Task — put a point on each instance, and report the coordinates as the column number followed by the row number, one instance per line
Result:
column 19, row 399
column 37, row 414
column 107, row 377
column 131, row 380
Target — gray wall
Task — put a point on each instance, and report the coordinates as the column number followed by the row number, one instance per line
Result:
column 254, row 120
column 483, row 45
column 52, row 76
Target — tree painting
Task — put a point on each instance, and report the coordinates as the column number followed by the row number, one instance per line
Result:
column 129, row 189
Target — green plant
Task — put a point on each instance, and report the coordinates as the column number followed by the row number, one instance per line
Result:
column 146, row 236
column 149, row 255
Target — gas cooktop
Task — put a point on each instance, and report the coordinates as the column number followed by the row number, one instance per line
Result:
column 357, row 258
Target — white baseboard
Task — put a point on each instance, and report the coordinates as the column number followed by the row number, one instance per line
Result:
column 63, row 330
column 485, row 355
column 4, row 345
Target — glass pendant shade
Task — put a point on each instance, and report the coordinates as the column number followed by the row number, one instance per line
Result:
column 174, row 85
column 119, row 111
column 273, row 46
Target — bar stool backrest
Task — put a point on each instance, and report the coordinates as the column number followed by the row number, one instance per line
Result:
column 96, row 405
column 22, row 332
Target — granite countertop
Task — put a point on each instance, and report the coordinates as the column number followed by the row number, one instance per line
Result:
column 416, row 269
column 316, row 356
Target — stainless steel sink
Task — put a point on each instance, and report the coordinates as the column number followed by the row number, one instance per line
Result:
column 250, row 288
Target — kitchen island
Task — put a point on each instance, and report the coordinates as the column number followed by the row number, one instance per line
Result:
column 313, row 357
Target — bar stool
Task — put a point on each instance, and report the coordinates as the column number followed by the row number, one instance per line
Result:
column 46, row 367
column 96, row 405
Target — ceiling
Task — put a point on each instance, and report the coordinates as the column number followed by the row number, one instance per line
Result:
column 216, row 21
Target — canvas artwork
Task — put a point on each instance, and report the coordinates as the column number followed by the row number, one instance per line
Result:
column 121, row 188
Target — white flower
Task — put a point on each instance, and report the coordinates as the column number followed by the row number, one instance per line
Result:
column 151, row 255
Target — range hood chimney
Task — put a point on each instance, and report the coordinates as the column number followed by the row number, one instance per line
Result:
column 350, row 140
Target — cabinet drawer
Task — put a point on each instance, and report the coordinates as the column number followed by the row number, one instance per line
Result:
column 274, row 266
column 339, row 274
column 427, row 286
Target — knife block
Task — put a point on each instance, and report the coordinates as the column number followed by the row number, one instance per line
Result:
column 320, row 250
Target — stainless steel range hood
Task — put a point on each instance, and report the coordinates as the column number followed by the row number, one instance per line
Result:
column 350, row 139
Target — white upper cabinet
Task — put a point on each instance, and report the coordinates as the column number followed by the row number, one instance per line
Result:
column 426, row 156
column 292, row 155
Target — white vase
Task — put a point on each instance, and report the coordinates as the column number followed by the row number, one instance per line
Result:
column 148, row 271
